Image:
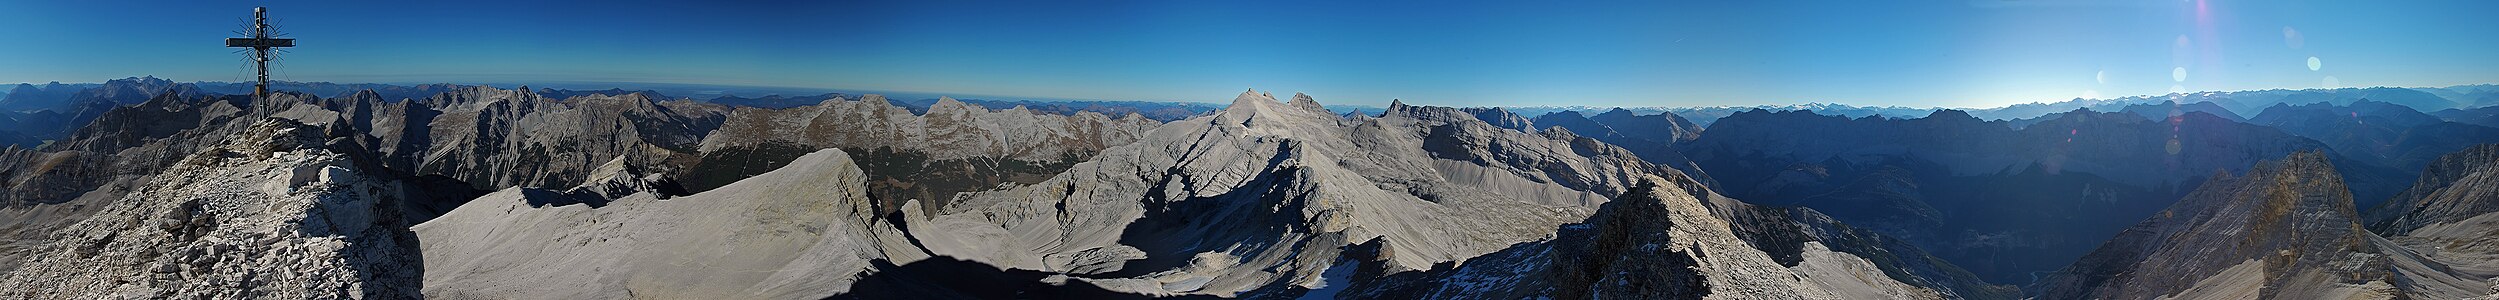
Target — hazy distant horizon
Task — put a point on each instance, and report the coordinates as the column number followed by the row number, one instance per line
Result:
column 1216, row 100
column 1984, row 53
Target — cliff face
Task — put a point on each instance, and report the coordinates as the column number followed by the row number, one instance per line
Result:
column 2285, row 228
column 955, row 147
column 496, row 138
column 2452, row 214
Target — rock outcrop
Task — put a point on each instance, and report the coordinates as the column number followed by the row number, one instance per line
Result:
column 955, row 147
column 2285, row 229
column 2452, row 214
column 1656, row 242
column 268, row 214
column 497, row 138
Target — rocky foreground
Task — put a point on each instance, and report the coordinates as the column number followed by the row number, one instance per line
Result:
column 359, row 197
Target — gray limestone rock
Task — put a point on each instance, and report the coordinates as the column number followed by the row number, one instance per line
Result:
column 803, row 231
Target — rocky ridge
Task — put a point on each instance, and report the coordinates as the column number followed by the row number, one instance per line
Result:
column 268, row 214
column 1264, row 199
column 2284, row 229
column 2453, row 213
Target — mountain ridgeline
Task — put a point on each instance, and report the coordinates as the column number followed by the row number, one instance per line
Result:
column 145, row 188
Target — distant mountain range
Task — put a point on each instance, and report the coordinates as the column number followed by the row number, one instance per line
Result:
column 147, row 188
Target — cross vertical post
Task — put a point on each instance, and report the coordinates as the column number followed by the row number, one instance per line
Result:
column 261, row 43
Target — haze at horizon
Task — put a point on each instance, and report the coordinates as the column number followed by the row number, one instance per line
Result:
column 1944, row 54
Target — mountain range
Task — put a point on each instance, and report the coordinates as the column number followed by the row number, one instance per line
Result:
column 146, row 188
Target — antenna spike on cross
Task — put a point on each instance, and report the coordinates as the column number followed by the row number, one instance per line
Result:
column 262, row 42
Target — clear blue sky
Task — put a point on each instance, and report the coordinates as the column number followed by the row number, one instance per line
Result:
column 1640, row 53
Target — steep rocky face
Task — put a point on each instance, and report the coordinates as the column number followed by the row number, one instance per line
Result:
column 1265, row 193
column 950, row 130
column 496, row 138
column 2452, row 214
column 269, row 213
column 1656, row 242
column 955, row 147
column 1661, row 241
column 1265, row 199
column 72, row 179
column 2285, row 228
column 603, row 147
column 806, row 230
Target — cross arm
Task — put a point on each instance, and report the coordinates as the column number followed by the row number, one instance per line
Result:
column 260, row 42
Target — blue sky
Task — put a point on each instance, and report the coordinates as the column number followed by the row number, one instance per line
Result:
column 1637, row 53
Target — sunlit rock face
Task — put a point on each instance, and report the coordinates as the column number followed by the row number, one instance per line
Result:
column 1266, row 198
column 2284, row 229
column 1656, row 242
column 1269, row 199
column 2452, row 214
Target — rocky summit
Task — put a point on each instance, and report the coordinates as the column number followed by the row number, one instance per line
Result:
column 485, row 193
column 1108, row 150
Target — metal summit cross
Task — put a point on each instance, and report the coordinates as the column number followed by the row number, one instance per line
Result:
column 261, row 43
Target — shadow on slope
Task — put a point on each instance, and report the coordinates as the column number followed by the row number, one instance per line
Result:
column 948, row 278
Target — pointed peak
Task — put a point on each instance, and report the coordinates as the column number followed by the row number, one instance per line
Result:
column 1303, row 101
column 1252, row 94
column 1250, row 97
column 949, row 104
